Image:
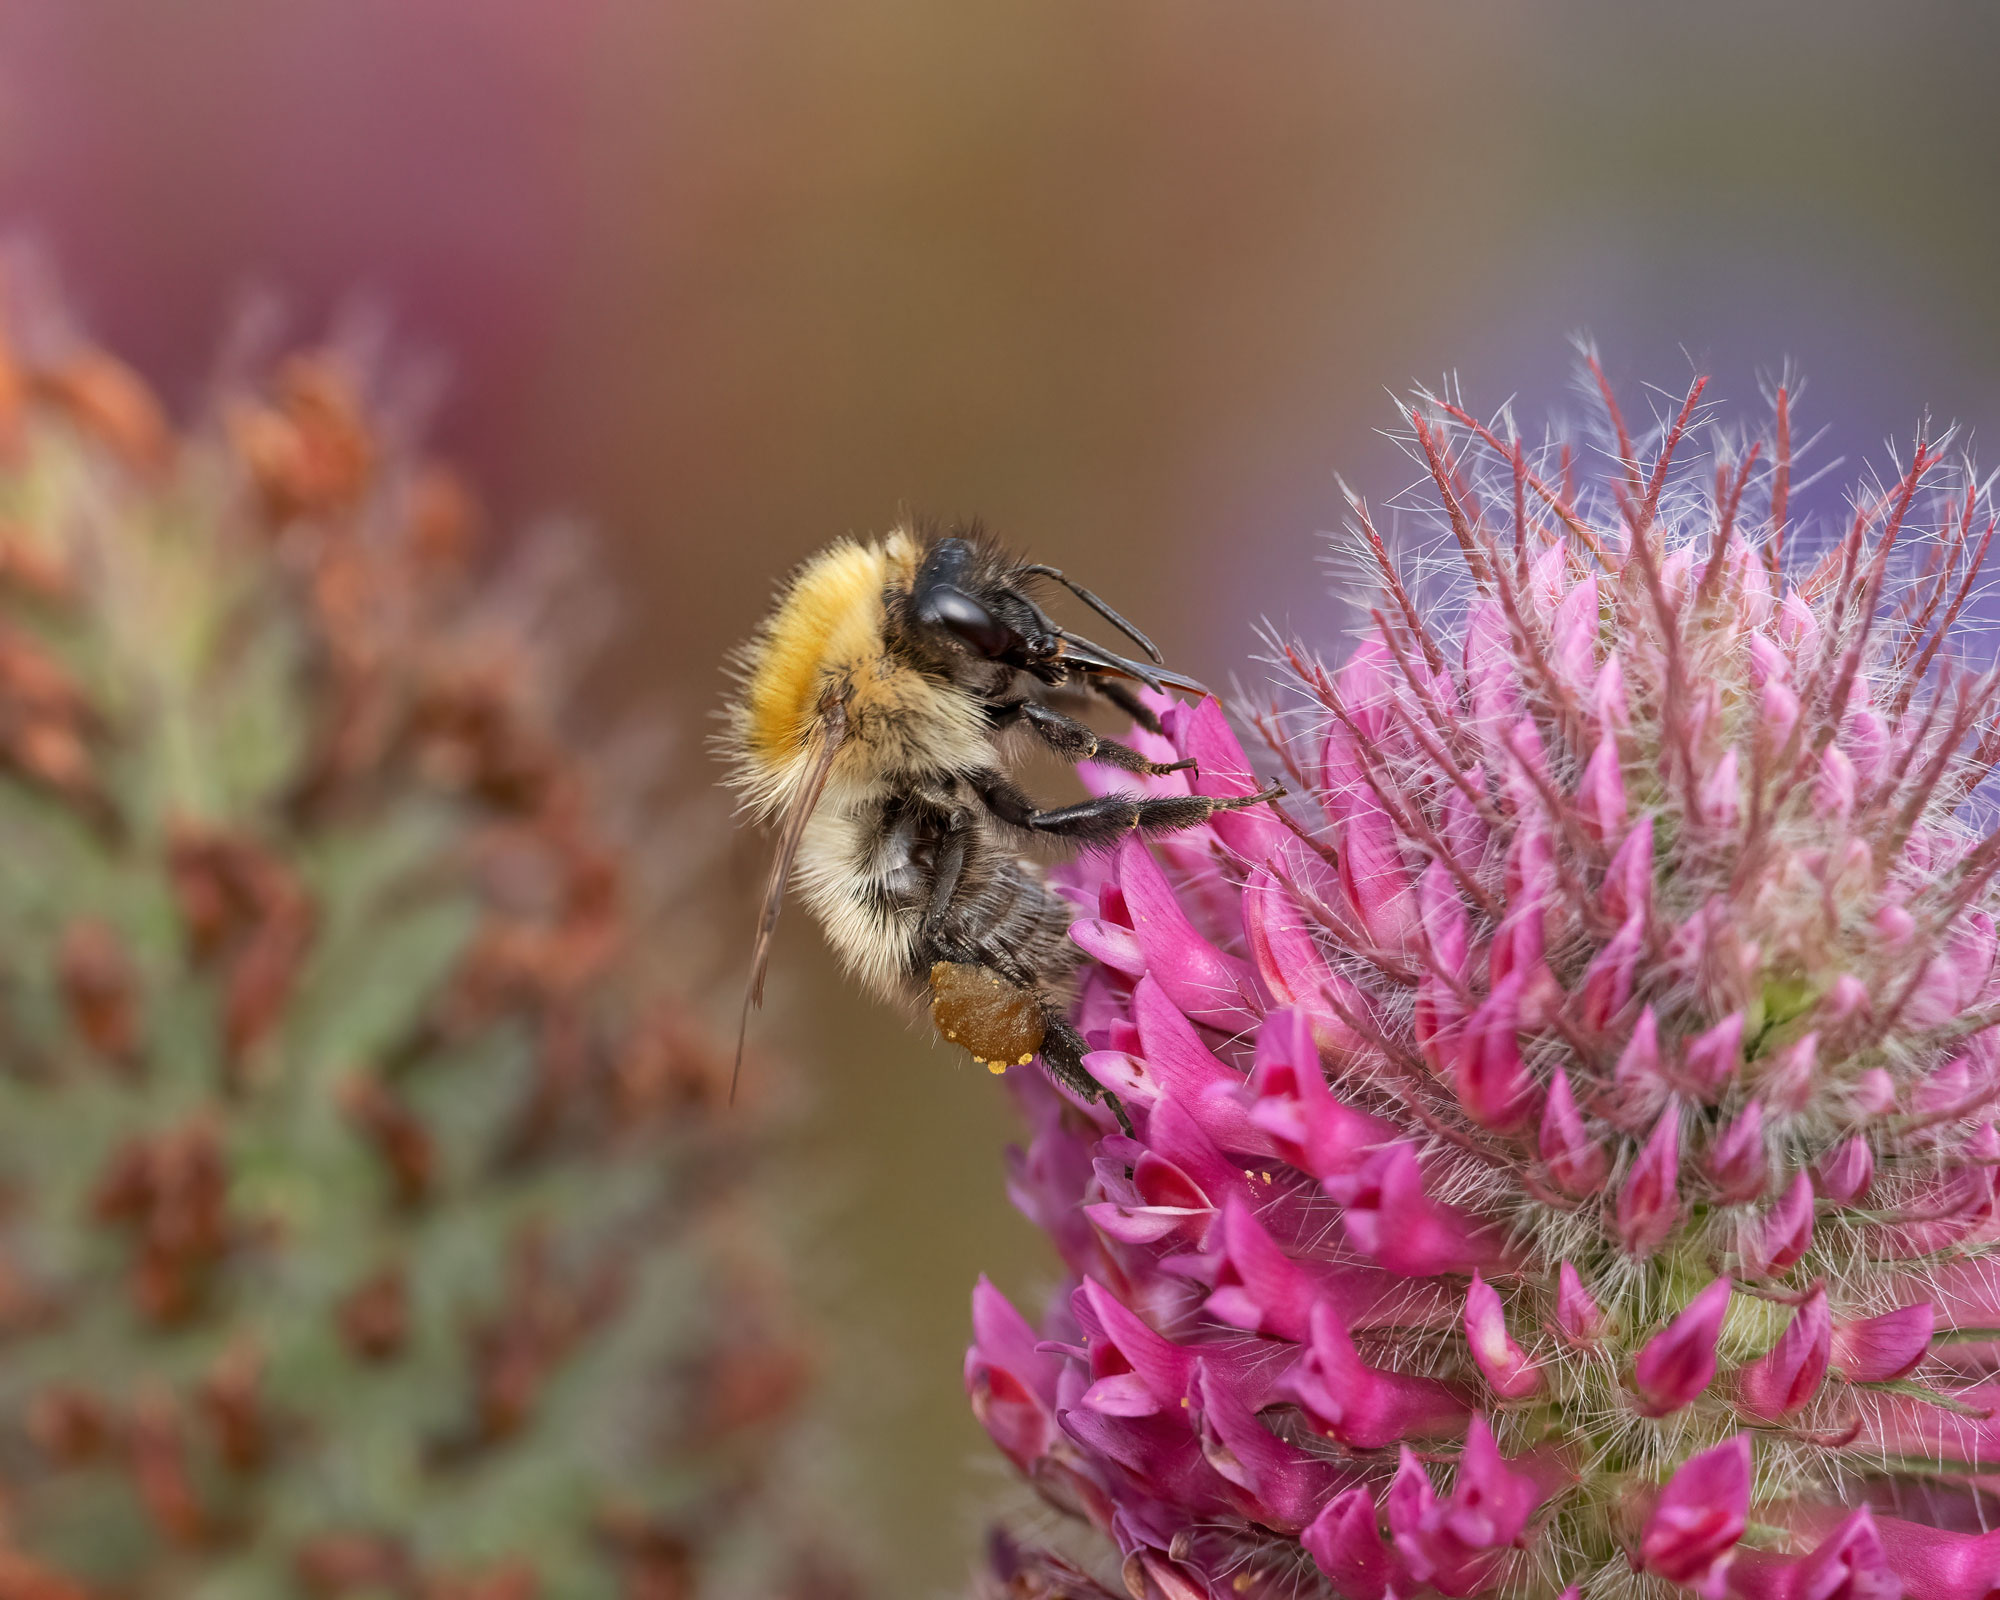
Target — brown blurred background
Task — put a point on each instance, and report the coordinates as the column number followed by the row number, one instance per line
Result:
column 1128, row 278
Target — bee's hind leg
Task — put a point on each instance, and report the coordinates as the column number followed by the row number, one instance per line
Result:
column 1063, row 1050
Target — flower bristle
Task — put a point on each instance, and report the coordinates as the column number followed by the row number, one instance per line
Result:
column 1564, row 1155
column 373, row 1223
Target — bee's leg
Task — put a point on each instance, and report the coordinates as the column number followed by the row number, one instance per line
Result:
column 1077, row 741
column 941, row 934
column 1063, row 1050
column 1110, row 817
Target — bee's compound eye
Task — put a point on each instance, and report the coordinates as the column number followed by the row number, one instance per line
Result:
column 954, row 609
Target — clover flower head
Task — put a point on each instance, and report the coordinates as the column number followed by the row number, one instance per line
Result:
column 1563, row 1158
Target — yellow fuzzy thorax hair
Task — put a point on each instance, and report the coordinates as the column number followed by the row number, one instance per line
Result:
column 828, row 621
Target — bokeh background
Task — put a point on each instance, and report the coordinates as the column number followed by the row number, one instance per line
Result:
column 1127, row 278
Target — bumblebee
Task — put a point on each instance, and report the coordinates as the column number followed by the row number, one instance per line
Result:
column 869, row 719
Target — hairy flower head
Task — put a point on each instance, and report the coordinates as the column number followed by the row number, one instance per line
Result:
column 1564, row 1153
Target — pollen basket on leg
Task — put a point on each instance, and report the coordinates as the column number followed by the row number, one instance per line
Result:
column 981, row 1012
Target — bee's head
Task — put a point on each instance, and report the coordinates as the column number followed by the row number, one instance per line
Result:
column 965, row 610
column 969, row 611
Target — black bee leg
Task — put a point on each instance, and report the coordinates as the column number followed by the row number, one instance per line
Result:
column 937, row 932
column 1063, row 1051
column 1076, row 741
column 1110, row 817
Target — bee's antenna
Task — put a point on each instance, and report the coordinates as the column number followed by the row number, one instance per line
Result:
column 1040, row 571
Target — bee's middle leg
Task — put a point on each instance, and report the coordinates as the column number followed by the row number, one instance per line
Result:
column 1110, row 817
column 1078, row 741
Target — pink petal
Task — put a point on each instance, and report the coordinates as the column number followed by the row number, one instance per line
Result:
column 1129, row 1350
column 1222, row 769
column 1784, row 1233
column 1344, row 1544
column 1177, row 1064
column 1208, row 986
column 1574, row 629
column 1790, row 1373
column 1778, row 715
column 1678, row 1362
column 1600, row 793
column 1493, row 1083
column 1739, row 1164
column 1115, row 946
column 1447, row 928
column 1285, row 1485
column 1260, row 1288
column 1288, row 958
column 1851, row 1563
column 1878, row 1349
column 1711, row 1058
column 1360, row 1406
column 1290, row 1102
column 1787, row 1082
column 1372, row 872
column 1577, row 1315
column 1649, row 1203
column 1506, row 1366
column 1607, row 981
column 1012, row 1386
column 1834, row 789
column 1701, row 1514
column 1628, row 882
column 1937, row 1565
column 1576, row 1162
column 1390, row 1220
column 1721, row 796
column 1845, row 1173
column 1608, row 705
column 1641, row 1084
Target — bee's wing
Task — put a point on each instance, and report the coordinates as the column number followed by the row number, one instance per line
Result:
column 832, row 734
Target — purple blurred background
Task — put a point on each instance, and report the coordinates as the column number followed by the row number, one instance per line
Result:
column 1128, row 278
